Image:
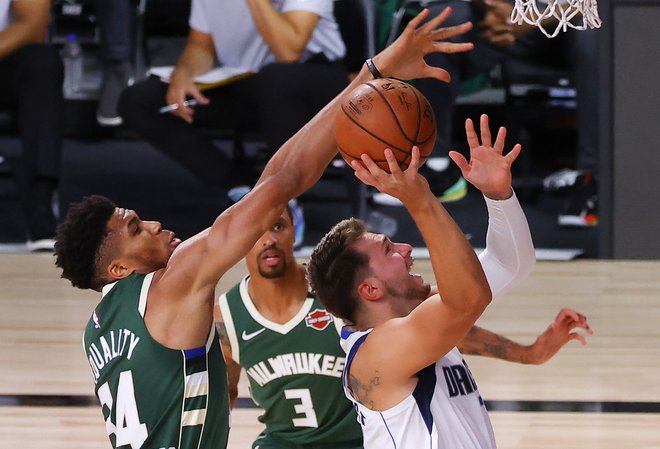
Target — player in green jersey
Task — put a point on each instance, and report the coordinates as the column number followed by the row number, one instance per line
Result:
column 150, row 342
column 270, row 325
column 289, row 345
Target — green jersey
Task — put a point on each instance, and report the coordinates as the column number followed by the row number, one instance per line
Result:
column 294, row 370
column 153, row 397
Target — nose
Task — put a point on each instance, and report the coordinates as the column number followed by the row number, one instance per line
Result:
column 154, row 227
column 269, row 238
column 404, row 249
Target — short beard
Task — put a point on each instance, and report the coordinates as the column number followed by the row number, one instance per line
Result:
column 273, row 273
column 412, row 292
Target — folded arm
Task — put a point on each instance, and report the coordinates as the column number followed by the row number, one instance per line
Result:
column 286, row 34
column 29, row 26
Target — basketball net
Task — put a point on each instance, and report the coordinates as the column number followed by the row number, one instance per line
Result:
column 576, row 14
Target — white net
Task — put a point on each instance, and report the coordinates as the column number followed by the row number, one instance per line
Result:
column 577, row 14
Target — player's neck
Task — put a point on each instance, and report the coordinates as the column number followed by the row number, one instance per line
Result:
column 279, row 299
column 375, row 314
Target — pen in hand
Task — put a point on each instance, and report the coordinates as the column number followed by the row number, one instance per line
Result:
column 175, row 106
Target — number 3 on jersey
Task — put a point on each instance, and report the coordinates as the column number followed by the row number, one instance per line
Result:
column 305, row 407
column 129, row 430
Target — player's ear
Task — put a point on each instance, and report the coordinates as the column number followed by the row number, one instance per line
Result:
column 117, row 269
column 370, row 289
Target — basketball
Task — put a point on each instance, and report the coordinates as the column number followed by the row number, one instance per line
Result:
column 385, row 113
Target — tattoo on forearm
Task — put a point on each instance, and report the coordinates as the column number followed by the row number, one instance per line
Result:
column 485, row 343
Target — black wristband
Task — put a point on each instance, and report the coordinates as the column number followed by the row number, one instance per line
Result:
column 372, row 68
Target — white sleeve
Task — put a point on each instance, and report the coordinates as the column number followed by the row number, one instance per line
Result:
column 197, row 20
column 320, row 7
column 509, row 255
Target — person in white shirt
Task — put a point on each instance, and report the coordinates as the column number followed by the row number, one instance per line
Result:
column 295, row 49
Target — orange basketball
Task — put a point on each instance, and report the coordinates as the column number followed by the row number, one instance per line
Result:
column 385, row 113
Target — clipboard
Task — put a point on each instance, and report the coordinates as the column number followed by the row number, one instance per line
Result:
column 218, row 76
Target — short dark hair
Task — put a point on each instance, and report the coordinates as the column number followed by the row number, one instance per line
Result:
column 79, row 238
column 336, row 267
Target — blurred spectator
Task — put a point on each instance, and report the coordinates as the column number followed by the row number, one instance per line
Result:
column 31, row 77
column 293, row 46
column 115, row 20
column 495, row 38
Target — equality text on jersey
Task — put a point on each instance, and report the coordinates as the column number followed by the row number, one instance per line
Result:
column 115, row 343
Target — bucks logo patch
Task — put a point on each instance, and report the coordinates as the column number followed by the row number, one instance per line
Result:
column 318, row 319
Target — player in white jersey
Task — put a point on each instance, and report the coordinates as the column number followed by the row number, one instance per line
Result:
column 410, row 385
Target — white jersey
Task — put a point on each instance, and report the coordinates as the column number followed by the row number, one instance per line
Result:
column 445, row 411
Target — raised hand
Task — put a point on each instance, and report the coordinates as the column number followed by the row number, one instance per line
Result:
column 489, row 169
column 561, row 331
column 404, row 59
column 405, row 185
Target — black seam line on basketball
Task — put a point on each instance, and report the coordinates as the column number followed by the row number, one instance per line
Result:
column 396, row 118
column 419, row 115
column 389, row 145
column 37, row 400
column 416, row 140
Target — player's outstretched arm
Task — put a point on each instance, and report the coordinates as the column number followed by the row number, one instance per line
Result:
column 436, row 325
column 563, row 329
column 299, row 163
column 509, row 255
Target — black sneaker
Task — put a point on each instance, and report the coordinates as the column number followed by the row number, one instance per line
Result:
column 581, row 207
column 447, row 185
column 116, row 76
column 41, row 229
column 40, row 216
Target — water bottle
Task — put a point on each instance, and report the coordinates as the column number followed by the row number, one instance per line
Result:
column 73, row 67
column 298, row 222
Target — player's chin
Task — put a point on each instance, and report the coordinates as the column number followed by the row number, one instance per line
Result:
column 426, row 288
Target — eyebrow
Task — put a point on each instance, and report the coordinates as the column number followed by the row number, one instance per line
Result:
column 131, row 222
column 383, row 242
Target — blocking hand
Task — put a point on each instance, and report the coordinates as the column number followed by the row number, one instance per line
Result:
column 489, row 169
column 404, row 59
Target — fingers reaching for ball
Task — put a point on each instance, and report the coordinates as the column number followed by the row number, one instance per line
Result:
column 405, row 184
